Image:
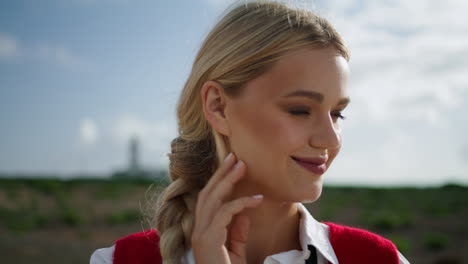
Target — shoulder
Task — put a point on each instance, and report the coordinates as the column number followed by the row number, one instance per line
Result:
column 142, row 247
column 149, row 237
column 361, row 245
column 102, row 256
column 338, row 233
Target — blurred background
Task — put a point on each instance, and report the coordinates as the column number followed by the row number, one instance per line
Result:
column 88, row 90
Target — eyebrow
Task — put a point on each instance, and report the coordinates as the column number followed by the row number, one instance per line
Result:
column 315, row 96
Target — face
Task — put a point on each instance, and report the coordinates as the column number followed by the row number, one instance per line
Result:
column 292, row 112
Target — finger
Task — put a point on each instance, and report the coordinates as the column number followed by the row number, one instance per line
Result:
column 226, row 185
column 218, row 175
column 213, row 202
column 204, row 193
column 238, row 235
column 224, row 215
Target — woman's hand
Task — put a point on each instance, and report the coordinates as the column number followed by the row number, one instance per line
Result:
column 213, row 215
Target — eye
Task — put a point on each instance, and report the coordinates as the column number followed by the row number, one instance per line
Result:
column 338, row 115
column 299, row 111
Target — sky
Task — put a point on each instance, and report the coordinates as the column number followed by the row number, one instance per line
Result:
column 78, row 78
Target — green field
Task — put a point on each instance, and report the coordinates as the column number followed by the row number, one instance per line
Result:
column 52, row 220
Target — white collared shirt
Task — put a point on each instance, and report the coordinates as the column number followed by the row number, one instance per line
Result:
column 311, row 232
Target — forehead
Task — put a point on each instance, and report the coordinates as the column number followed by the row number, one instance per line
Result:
column 318, row 70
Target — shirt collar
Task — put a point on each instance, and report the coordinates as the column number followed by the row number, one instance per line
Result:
column 314, row 233
column 311, row 232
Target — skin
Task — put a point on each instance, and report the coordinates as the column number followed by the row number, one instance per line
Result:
column 264, row 130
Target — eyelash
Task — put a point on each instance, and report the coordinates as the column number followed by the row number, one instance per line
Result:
column 305, row 112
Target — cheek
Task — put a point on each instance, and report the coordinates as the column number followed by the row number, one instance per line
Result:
column 264, row 139
column 332, row 153
column 264, row 135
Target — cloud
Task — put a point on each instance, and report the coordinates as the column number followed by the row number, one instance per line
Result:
column 405, row 51
column 408, row 84
column 408, row 152
column 154, row 136
column 464, row 153
column 63, row 56
column 220, row 3
column 88, row 131
column 94, row 2
column 8, row 46
column 52, row 53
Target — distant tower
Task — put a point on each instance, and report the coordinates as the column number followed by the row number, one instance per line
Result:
column 134, row 151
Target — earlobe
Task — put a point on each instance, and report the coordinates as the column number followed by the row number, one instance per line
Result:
column 214, row 106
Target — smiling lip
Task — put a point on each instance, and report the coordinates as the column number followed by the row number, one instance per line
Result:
column 314, row 165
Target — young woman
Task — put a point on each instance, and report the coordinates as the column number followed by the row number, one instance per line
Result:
column 259, row 125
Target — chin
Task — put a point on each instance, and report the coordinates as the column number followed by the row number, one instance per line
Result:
column 312, row 194
column 311, row 199
column 308, row 195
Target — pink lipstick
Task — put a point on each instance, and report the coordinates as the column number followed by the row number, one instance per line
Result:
column 314, row 165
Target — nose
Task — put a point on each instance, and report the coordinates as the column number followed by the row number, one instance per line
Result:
column 326, row 134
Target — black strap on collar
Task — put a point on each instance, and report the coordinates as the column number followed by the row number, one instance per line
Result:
column 313, row 255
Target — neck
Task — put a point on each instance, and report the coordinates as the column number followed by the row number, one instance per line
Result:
column 274, row 228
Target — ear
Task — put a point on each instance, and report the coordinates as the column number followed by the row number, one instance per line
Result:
column 214, row 106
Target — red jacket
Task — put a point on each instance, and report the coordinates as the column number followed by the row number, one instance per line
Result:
column 351, row 246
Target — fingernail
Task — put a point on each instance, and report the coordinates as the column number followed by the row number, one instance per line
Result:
column 258, row 196
column 238, row 164
column 228, row 157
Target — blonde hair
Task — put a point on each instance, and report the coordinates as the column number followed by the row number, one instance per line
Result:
column 244, row 44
